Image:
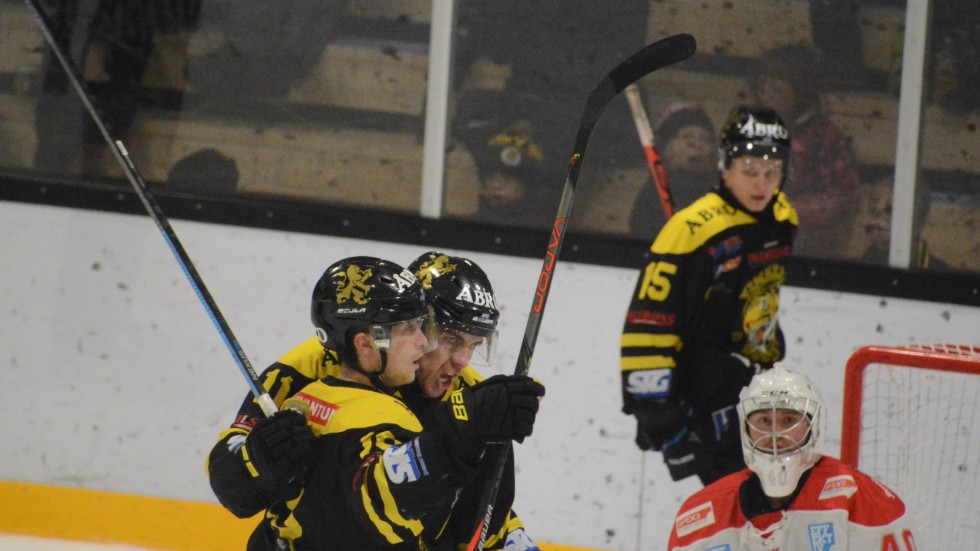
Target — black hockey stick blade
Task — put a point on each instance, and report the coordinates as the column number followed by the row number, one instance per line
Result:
column 658, row 55
column 262, row 397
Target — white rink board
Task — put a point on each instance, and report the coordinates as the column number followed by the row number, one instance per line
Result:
column 115, row 378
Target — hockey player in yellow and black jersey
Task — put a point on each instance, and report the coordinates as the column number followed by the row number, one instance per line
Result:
column 703, row 317
column 462, row 299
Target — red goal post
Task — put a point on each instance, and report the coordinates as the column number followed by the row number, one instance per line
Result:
column 911, row 419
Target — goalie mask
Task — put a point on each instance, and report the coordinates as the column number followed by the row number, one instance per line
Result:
column 779, row 417
column 366, row 295
column 462, row 299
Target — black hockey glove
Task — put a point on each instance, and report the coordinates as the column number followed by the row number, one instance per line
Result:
column 688, row 453
column 659, row 422
column 278, row 452
column 498, row 409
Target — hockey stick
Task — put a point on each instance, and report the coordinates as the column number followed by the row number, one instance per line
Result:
column 122, row 156
column 668, row 51
column 645, row 131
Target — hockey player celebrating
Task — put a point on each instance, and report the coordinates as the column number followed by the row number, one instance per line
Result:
column 703, row 317
column 460, row 295
column 790, row 496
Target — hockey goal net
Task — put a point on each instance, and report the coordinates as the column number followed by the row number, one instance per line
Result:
column 910, row 419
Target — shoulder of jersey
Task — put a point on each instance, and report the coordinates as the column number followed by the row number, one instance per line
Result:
column 711, row 509
column 784, row 210
column 871, row 503
column 307, row 358
column 692, row 227
column 338, row 408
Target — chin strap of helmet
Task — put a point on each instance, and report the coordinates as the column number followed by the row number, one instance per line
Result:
column 375, row 376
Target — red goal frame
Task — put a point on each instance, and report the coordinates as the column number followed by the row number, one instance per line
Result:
column 940, row 357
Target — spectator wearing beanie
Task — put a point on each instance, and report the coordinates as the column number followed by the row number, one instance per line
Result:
column 685, row 139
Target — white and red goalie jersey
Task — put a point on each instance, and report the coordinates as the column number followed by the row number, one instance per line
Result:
column 837, row 508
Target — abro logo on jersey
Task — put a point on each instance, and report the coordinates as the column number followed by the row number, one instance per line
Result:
column 754, row 130
column 837, row 486
column 649, row 383
column 476, row 296
column 320, row 411
column 695, row 519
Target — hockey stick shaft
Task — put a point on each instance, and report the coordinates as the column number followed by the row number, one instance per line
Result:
column 265, row 401
column 645, row 131
column 662, row 53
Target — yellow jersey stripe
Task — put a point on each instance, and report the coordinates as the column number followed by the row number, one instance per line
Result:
column 646, row 362
column 649, row 339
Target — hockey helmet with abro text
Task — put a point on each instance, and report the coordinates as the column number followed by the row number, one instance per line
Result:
column 366, row 295
column 461, row 298
column 779, row 416
column 754, row 132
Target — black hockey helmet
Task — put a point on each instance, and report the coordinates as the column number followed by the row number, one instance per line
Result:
column 459, row 293
column 756, row 133
column 363, row 294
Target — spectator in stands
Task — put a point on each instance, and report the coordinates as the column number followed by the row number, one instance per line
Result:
column 823, row 183
column 520, row 180
column 686, row 142
column 878, row 226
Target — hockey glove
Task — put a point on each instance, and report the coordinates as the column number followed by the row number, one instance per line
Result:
column 688, row 453
column 659, row 422
column 278, row 452
column 498, row 409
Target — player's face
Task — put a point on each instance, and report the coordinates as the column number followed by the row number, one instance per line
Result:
column 441, row 366
column 407, row 343
column 780, row 430
column 753, row 180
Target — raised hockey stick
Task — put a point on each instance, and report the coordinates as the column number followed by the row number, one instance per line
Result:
column 122, row 156
column 662, row 53
column 645, row 132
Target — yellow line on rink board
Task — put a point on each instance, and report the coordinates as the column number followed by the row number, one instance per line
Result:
column 80, row 514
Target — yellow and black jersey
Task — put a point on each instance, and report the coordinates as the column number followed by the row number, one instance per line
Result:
column 232, row 485
column 309, row 362
column 376, row 476
column 709, row 290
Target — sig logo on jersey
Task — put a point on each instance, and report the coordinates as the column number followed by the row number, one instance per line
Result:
column 821, row 536
column 724, row 547
column 700, row 517
column 401, row 464
column 649, row 383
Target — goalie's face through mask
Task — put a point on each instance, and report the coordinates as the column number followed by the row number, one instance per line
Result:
column 777, row 431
